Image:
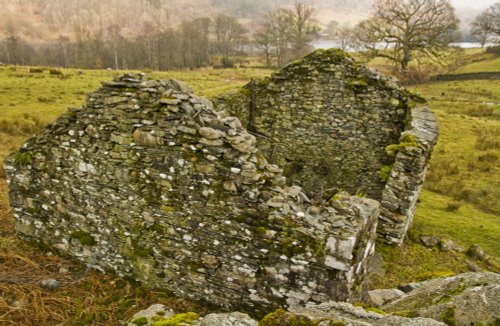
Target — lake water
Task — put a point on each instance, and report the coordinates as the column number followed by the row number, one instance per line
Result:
column 327, row 44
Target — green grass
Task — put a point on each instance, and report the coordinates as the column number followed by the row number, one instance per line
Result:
column 465, row 226
column 465, row 164
column 461, row 196
column 482, row 63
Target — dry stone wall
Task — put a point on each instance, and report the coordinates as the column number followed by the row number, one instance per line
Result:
column 148, row 181
column 329, row 122
column 407, row 174
column 326, row 120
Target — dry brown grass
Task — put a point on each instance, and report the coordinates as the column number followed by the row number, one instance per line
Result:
column 84, row 297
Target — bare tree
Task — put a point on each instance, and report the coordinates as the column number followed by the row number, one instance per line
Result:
column 401, row 30
column 195, row 42
column 263, row 40
column 332, row 28
column 486, row 26
column 288, row 33
column 304, row 29
column 229, row 36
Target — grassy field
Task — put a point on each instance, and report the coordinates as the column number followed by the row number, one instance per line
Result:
column 461, row 200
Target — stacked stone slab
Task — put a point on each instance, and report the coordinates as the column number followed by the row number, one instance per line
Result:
column 399, row 199
column 328, row 121
column 148, row 181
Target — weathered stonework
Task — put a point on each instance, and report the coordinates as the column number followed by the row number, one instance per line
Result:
column 403, row 186
column 148, row 181
column 328, row 121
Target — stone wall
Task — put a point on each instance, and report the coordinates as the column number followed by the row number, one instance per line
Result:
column 399, row 199
column 328, row 121
column 148, row 181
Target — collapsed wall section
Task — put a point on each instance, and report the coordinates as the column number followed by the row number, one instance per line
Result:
column 146, row 180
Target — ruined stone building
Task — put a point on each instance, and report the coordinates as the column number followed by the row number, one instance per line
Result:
column 150, row 181
column 333, row 124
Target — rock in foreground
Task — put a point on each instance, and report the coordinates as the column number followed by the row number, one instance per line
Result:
column 461, row 300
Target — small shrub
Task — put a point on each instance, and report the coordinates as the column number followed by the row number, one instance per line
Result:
column 448, row 316
column 483, row 110
column 227, row 63
column 453, row 206
column 36, row 70
column 43, row 99
column 356, row 85
column 55, row 72
column 85, row 238
column 439, row 170
column 488, row 157
column 359, row 193
column 407, row 140
column 488, row 139
column 481, row 166
column 23, row 126
column 465, row 193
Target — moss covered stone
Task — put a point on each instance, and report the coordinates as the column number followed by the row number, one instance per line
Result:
column 187, row 318
column 141, row 321
column 448, row 316
column 281, row 317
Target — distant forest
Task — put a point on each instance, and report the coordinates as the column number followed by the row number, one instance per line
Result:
column 138, row 34
column 161, row 34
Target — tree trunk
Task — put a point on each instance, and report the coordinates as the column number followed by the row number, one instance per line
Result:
column 116, row 57
column 405, row 61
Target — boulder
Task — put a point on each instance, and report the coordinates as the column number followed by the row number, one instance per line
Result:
column 461, row 300
column 476, row 252
column 429, row 241
column 229, row 319
column 147, row 316
column 342, row 313
column 380, row 297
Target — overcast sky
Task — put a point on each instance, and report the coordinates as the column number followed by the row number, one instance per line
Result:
column 479, row 4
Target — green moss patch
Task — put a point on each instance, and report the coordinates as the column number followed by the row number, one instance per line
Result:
column 23, row 158
column 84, row 238
column 141, row 321
column 187, row 318
column 282, row 318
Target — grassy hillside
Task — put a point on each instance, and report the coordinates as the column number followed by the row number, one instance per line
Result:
column 460, row 201
column 461, row 197
column 482, row 62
